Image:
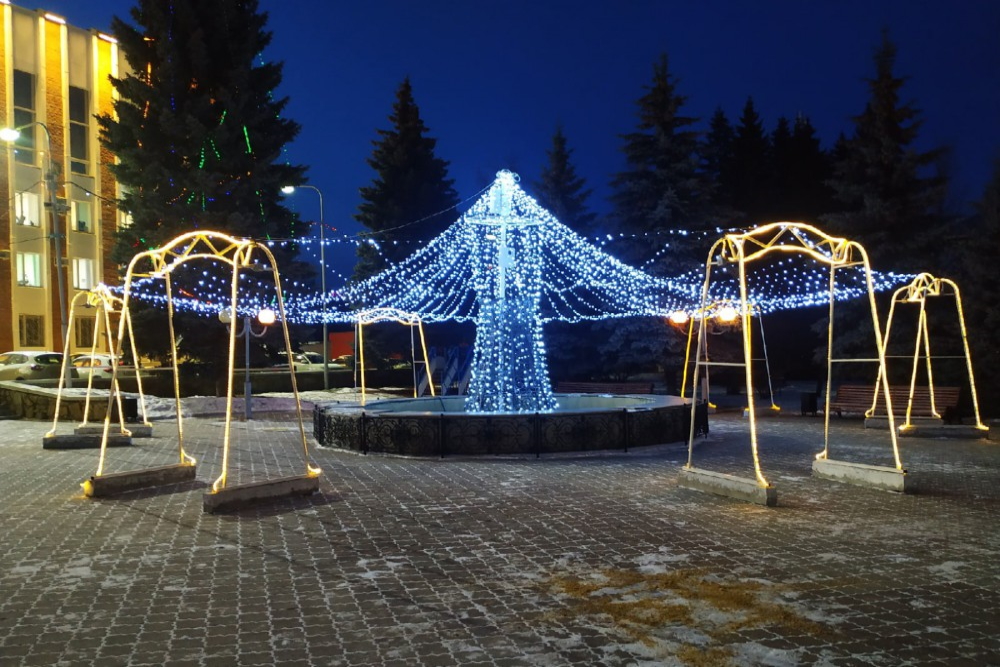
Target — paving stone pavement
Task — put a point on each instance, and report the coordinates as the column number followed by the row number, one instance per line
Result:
column 567, row 560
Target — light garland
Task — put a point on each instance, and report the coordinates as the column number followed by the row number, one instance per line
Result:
column 510, row 266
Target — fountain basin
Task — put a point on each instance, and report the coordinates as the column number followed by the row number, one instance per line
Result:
column 439, row 426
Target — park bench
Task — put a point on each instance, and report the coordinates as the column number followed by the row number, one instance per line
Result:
column 604, row 388
column 857, row 399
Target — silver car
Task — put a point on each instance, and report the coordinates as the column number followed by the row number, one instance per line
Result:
column 304, row 361
column 98, row 365
column 30, row 365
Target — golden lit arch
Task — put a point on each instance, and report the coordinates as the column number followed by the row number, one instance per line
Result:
column 239, row 254
column 922, row 287
column 390, row 315
column 107, row 304
column 791, row 238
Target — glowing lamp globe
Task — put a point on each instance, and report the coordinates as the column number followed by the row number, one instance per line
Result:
column 727, row 314
column 266, row 317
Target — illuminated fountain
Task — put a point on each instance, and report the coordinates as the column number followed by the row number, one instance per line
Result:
column 509, row 266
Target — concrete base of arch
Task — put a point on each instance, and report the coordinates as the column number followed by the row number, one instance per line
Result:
column 861, row 474
column 731, row 486
column 130, row 480
column 135, row 430
column 938, row 430
column 236, row 497
column 84, row 441
column 882, row 423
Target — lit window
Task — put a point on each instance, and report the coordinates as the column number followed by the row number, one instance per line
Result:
column 83, row 273
column 26, row 209
column 29, row 269
column 83, row 216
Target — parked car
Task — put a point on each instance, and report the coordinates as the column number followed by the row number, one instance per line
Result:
column 304, row 361
column 98, row 365
column 309, row 358
column 30, row 365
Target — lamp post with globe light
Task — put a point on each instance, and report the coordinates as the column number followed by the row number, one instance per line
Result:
column 11, row 135
column 290, row 189
column 266, row 317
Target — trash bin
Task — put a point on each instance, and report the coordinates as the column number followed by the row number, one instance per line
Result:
column 130, row 406
column 808, row 402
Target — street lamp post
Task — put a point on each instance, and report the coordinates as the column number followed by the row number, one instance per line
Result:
column 13, row 134
column 266, row 318
column 289, row 189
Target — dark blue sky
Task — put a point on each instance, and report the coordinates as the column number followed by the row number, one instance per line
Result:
column 493, row 79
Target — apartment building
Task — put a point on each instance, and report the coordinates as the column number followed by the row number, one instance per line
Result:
column 60, row 216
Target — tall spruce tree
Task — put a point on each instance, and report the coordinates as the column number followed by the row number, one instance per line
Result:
column 748, row 179
column 800, row 170
column 980, row 290
column 196, row 129
column 411, row 200
column 885, row 199
column 716, row 148
column 198, row 136
column 661, row 189
column 561, row 191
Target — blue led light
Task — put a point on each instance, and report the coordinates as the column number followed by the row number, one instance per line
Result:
column 509, row 266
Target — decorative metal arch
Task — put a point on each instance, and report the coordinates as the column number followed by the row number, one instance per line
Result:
column 391, row 315
column 926, row 286
column 107, row 304
column 238, row 254
column 796, row 239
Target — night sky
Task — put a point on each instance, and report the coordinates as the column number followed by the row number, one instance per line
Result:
column 494, row 79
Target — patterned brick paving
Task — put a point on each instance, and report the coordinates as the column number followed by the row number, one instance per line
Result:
column 569, row 560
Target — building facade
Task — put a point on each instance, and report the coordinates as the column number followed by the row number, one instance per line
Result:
column 61, row 216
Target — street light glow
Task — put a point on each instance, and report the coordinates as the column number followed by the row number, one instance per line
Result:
column 290, row 189
column 727, row 314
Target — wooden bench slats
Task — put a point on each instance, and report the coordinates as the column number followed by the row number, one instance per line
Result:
column 858, row 399
column 604, row 388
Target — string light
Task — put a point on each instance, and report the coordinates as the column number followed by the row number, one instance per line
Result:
column 510, row 266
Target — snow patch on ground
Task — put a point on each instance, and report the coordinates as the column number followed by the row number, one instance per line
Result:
column 116, row 581
column 79, row 572
column 159, row 408
column 753, row 653
column 900, row 558
column 656, row 563
column 379, row 567
column 949, row 568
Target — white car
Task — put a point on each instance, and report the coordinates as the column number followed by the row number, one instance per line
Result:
column 30, row 365
column 98, row 365
column 304, row 361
